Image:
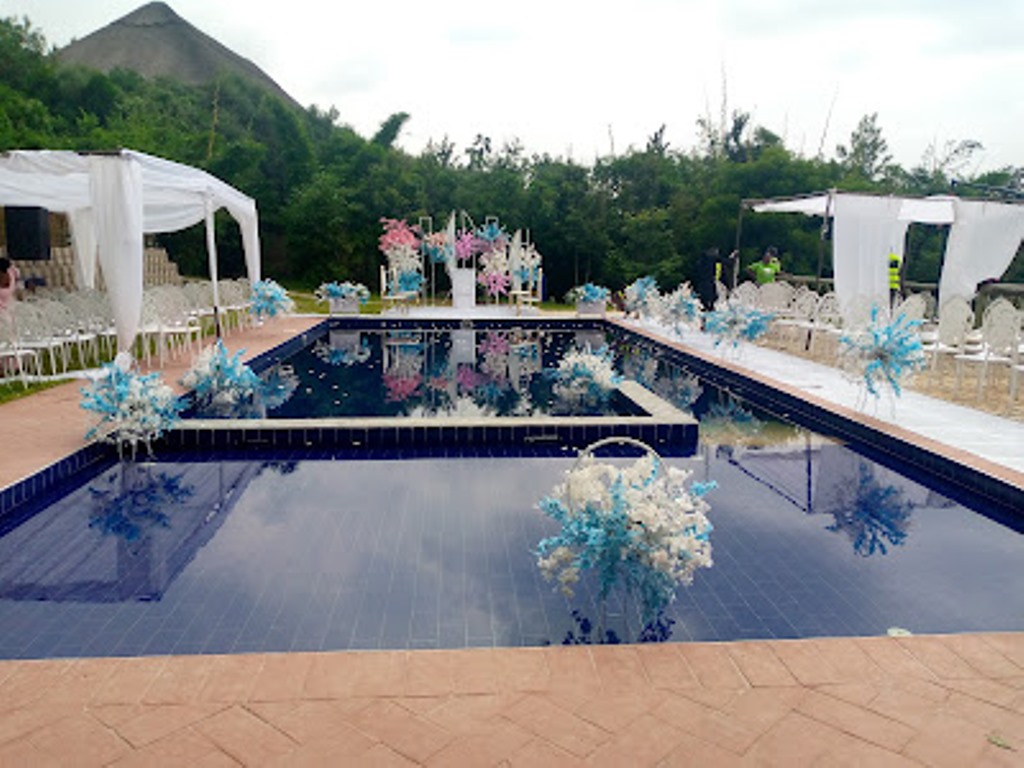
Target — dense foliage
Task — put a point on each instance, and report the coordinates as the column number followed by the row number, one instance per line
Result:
column 321, row 188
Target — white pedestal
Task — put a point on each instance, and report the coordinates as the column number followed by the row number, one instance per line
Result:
column 463, row 347
column 344, row 306
column 590, row 308
column 463, row 288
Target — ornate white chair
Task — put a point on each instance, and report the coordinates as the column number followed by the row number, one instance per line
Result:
column 1000, row 339
column 797, row 326
column 956, row 319
column 746, row 294
column 826, row 322
column 13, row 357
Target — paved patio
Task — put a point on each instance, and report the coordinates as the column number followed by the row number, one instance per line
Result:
column 951, row 700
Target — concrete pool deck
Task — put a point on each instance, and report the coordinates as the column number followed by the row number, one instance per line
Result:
column 928, row 700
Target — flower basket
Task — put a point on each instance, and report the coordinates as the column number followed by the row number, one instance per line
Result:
column 639, row 528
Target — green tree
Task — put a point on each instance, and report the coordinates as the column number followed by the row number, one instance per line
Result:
column 867, row 156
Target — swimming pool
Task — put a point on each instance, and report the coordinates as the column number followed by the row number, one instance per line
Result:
column 421, row 546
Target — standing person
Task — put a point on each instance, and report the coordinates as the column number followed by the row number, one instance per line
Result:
column 895, row 264
column 707, row 273
column 8, row 283
column 765, row 270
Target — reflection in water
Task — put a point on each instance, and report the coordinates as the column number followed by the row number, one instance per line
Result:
column 671, row 382
column 729, row 422
column 137, row 503
column 124, row 537
column 427, row 372
column 870, row 513
column 343, row 348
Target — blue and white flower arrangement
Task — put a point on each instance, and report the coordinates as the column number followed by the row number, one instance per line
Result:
column 734, row 324
column 641, row 296
column 134, row 409
column 640, row 527
column 585, row 376
column 528, row 270
column 343, row 291
column 588, row 293
column 408, row 281
column 680, row 309
column 269, row 299
column 883, row 354
column 222, row 386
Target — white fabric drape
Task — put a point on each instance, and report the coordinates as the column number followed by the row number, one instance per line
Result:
column 982, row 242
column 83, row 242
column 168, row 196
column 867, row 230
column 118, row 222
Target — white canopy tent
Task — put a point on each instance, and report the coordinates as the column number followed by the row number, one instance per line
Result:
column 112, row 200
column 983, row 239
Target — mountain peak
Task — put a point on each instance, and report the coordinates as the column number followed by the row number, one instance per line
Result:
column 150, row 14
column 155, row 41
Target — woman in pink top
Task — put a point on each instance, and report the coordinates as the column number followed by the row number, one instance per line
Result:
column 8, row 283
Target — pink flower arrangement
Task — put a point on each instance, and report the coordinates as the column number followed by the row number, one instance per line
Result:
column 496, row 283
column 467, row 378
column 401, row 387
column 466, row 246
column 494, row 343
column 397, row 235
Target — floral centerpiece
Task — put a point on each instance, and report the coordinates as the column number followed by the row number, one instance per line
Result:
column 585, row 377
column 883, row 354
column 590, row 299
column 134, row 409
column 527, row 270
column 343, row 298
column 638, row 527
column 222, row 386
column 269, row 299
column 436, row 248
column 494, row 272
column 400, row 244
column 680, row 309
column 734, row 324
column 641, row 296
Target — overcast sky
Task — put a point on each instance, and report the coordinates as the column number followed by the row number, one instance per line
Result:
column 570, row 78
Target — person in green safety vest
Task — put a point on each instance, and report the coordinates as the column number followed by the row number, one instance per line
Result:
column 895, row 263
column 765, row 270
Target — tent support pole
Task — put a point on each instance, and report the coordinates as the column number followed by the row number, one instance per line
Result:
column 821, row 242
column 736, row 247
column 211, row 254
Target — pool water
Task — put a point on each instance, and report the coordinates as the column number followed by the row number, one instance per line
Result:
column 306, row 553
column 436, row 373
column 434, row 546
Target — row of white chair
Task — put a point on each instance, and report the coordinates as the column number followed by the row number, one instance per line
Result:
column 54, row 330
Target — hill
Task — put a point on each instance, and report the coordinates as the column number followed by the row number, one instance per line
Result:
column 156, row 42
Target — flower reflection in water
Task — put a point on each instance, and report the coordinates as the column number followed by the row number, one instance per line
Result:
column 136, row 501
column 873, row 516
